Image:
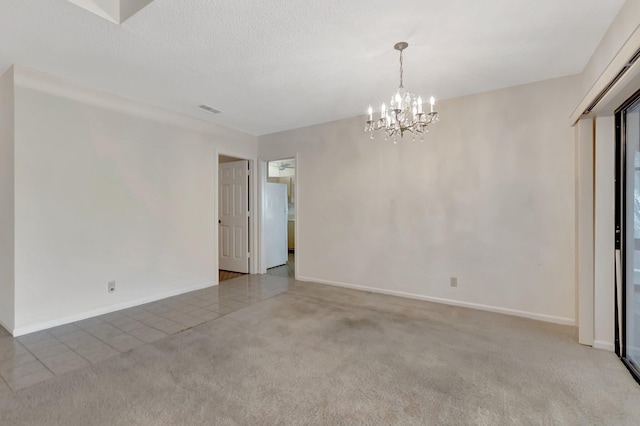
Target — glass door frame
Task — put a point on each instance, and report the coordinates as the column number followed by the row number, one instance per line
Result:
column 620, row 230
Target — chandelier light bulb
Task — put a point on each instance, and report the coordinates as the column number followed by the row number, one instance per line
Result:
column 370, row 113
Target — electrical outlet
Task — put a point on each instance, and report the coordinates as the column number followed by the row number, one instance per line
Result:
column 111, row 286
column 453, row 282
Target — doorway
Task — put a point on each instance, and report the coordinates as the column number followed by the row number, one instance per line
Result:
column 234, row 217
column 628, row 233
column 281, row 178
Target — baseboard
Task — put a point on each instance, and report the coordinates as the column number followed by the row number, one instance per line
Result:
column 607, row 346
column 20, row 331
column 489, row 308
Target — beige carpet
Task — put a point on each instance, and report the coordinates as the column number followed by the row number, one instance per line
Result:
column 318, row 355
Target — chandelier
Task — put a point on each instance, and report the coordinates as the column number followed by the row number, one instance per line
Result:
column 405, row 112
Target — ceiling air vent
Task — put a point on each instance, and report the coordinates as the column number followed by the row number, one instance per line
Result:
column 208, row 109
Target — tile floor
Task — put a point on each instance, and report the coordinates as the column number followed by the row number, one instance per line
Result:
column 33, row 358
column 286, row 270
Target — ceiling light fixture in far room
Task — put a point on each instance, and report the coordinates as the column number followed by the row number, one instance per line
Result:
column 405, row 112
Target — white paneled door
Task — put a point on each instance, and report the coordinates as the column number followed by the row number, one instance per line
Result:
column 233, row 211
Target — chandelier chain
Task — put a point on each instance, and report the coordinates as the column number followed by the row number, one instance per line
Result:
column 401, row 71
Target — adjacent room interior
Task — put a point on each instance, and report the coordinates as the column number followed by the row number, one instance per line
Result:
column 280, row 228
column 356, row 212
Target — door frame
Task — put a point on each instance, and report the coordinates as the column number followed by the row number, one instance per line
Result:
column 620, row 231
column 262, row 171
column 254, row 212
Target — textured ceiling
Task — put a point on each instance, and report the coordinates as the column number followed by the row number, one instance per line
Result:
column 272, row 65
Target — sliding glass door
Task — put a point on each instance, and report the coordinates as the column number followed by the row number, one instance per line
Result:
column 628, row 231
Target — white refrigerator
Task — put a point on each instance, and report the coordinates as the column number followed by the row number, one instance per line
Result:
column 275, row 223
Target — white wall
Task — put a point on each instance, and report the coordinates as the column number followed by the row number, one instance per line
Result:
column 6, row 201
column 488, row 198
column 584, row 144
column 604, row 247
column 613, row 53
column 103, row 193
column 624, row 25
